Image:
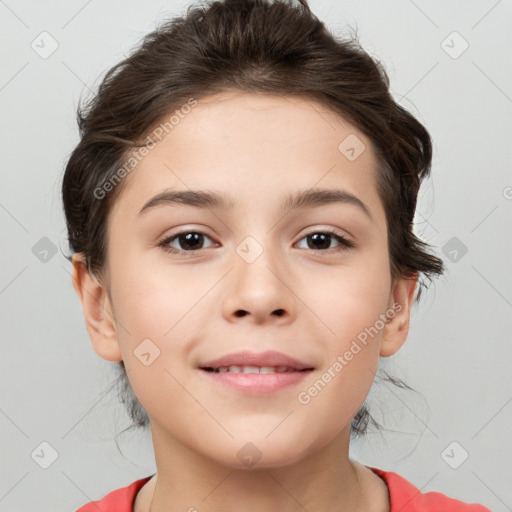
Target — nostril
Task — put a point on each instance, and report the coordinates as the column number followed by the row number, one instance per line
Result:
column 277, row 312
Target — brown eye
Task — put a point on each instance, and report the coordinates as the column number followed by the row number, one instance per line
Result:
column 321, row 241
column 186, row 241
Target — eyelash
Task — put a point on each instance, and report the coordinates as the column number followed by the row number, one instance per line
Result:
column 345, row 244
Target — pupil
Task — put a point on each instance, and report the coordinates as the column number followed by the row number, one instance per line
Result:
column 321, row 238
column 190, row 239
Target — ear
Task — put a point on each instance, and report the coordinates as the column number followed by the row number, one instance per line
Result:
column 97, row 308
column 399, row 313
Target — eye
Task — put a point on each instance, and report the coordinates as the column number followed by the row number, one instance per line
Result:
column 190, row 242
column 321, row 240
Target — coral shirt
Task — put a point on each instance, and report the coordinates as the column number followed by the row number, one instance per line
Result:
column 404, row 497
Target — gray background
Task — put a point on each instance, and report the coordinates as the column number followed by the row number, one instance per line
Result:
column 458, row 355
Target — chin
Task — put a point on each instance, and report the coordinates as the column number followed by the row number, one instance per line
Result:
column 260, row 454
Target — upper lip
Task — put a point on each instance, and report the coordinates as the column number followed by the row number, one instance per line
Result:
column 268, row 358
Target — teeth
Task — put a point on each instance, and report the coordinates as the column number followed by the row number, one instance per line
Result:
column 250, row 369
column 253, row 369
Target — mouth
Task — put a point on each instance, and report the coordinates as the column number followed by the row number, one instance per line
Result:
column 254, row 369
column 252, row 362
column 254, row 374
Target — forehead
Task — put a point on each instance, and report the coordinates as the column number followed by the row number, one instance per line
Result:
column 251, row 146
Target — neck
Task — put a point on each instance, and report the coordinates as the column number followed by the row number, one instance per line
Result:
column 325, row 480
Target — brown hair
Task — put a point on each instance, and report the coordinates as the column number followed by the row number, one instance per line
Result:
column 254, row 46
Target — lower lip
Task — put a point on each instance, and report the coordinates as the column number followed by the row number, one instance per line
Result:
column 258, row 382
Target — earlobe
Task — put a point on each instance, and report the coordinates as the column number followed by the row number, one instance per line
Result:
column 97, row 309
column 399, row 314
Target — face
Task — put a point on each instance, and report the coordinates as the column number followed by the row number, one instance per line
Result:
column 190, row 283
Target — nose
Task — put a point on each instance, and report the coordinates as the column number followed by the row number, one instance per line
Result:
column 259, row 291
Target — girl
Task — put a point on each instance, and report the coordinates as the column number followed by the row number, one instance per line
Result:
column 240, row 211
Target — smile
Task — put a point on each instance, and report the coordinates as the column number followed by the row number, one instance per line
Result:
column 252, row 369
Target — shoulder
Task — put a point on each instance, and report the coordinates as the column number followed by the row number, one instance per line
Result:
column 120, row 500
column 405, row 497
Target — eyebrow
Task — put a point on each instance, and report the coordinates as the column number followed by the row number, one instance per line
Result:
column 309, row 198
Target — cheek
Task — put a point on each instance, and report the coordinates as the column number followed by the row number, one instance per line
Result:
column 351, row 351
column 347, row 300
column 156, row 301
column 349, row 303
column 163, row 312
column 159, row 318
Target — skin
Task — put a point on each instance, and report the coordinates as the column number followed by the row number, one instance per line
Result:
column 257, row 148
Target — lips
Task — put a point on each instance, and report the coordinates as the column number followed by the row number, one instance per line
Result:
column 255, row 374
column 250, row 362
